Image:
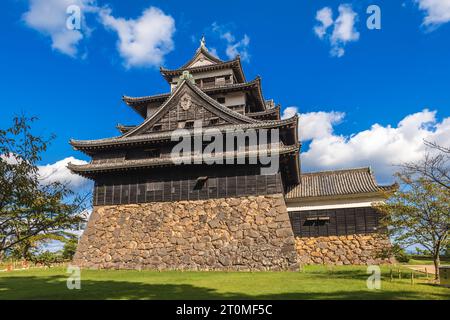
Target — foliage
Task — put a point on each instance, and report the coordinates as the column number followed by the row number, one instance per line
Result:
column 70, row 247
column 418, row 213
column 31, row 211
column 434, row 167
column 47, row 258
column 400, row 254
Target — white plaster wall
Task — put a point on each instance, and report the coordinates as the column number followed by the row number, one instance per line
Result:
column 332, row 203
column 232, row 98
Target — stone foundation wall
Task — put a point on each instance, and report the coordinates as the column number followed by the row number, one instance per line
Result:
column 343, row 250
column 247, row 233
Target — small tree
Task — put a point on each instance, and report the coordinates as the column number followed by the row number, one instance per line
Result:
column 69, row 249
column 435, row 165
column 30, row 210
column 419, row 213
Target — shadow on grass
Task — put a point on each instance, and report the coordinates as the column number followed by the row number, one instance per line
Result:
column 54, row 288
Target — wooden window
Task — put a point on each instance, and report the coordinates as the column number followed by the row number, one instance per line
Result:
column 153, row 153
column 157, row 127
column 143, row 154
column 214, row 121
column 334, row 222
column 189, row 125
column 317, row 221
column 200, row 182
column 209, row 81
column 220, row 81
column 205, row 187
column 154, row 186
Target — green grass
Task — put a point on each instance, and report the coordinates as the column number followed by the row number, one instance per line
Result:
column 422, row 260
column 315, row 282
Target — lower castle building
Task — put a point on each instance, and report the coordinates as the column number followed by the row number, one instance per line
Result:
column 211, row 180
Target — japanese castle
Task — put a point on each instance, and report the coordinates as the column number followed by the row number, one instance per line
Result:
column 151, row 211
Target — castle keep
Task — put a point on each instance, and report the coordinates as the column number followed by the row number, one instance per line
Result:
column 241, row 213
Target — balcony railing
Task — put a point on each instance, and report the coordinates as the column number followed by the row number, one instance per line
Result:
column 211, row 84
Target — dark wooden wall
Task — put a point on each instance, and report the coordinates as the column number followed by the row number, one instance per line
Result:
column 188, row 189
column 176, row 116
column 341, row 222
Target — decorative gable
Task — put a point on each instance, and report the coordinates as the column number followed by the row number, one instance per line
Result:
column 187, row 105
column 202, row 57
column 200, row 61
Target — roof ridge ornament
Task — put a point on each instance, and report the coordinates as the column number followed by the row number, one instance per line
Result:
column 203, row 42
column 186, row 75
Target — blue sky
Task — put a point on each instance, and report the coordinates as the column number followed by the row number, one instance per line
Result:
column 350, row 105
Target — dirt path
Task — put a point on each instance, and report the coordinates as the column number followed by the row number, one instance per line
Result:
column 422, row 268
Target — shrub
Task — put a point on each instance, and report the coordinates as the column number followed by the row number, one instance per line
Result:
column 70, row 247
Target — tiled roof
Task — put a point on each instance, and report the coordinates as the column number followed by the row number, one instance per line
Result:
column 164, row 161
column 135, row 100
column 336, row 183
column 267, row 124
column 162, row 97
column 235, row 64
column 268, row 112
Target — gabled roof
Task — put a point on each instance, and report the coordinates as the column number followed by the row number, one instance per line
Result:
column 234, row 64
column 132, row 101
column 203, row 60
column 209, row 103
column 201, row 53
column 334, row 183
column 161, row 136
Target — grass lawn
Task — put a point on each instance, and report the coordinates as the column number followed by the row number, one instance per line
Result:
column 421, row 260
column 315, row 282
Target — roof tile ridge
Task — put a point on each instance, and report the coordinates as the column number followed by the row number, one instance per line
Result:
column 338, row 171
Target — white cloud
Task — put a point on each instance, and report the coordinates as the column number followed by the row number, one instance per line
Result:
column 239, row 48
column 214, row 52
column 49, row 18
column 344, row 30
column 58, row 172
column 437, row 11
column 381, row 147
column 9, row 158
column 289, row 112
column 234, row 47
column 325, row 17
column 314, row 125
column 143, row 41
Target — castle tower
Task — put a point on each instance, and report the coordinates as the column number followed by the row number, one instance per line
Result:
column 195, row 213
column 230, row 198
